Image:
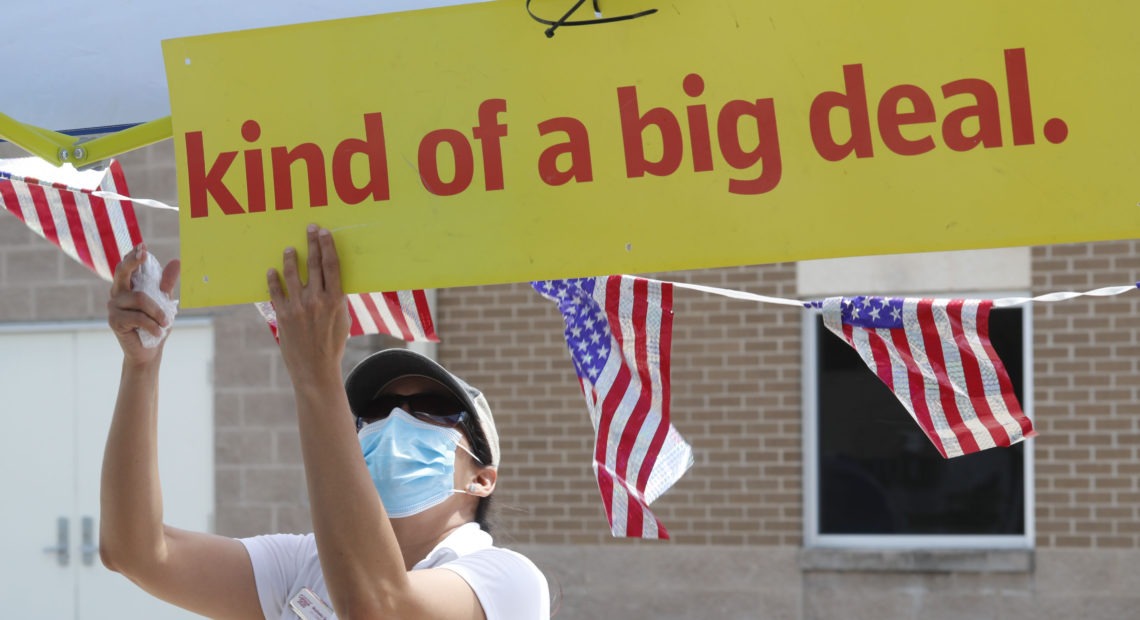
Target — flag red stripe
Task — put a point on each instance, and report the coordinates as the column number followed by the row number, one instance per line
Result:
column 120, row 187
column 649, row 462
column 972, row 371
column 932, row 344
column 640, row 410
column 392, row 299
column 423, row 310
column 610, row 404
column 634, row 514
column 606, row 488
column 1004, row 381
column 43, row 211
column 884, row 367
column 75, row 227
column 612, row 397
column 882, row 358
column 106, row 232
column 662, row 430
column 354, row 327
column 374, row 314
column 917, row 389
column 11, row 202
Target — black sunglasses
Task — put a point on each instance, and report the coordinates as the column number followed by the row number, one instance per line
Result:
column 438, row 409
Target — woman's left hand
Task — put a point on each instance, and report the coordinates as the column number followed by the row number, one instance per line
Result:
column 312, row 318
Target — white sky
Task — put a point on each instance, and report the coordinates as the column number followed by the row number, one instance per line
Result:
column 81, row 63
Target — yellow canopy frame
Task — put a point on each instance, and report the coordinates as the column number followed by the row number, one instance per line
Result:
column 59, row 148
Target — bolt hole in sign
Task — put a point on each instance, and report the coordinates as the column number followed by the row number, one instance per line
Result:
column 459, row 146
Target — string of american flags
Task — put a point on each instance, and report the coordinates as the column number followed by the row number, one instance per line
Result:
column 934, row 354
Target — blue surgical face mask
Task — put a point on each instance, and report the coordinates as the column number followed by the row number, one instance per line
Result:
column 412, row 462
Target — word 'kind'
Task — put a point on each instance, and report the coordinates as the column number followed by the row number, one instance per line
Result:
column 208, row 180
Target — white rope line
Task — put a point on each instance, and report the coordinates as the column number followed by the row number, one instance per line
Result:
column 740, row 294
column 1107, row 291
column 144, row 202
column 1003, row 302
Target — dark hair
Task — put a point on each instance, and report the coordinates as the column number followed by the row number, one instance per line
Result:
column 482, row 451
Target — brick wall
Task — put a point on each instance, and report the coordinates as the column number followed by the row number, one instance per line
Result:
column 1087, row 398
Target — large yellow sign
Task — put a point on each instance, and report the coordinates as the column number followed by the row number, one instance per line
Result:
column 461, row 146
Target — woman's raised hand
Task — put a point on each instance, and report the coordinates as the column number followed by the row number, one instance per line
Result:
column 312, row 317
column 128, row 310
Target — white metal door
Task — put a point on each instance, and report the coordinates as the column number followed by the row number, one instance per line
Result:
column 80, row 396
column 37, row 457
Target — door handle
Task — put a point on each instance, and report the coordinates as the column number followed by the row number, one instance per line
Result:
column 62, row 548
column 87, row 548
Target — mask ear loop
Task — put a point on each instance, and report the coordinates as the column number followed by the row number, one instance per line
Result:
column 563, row 21
column 473, row 487
column 464, row 448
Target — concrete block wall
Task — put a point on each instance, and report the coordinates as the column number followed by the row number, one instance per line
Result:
column 681, row 582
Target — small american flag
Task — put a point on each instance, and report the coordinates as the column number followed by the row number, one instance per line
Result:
column 619, row 330
column 936, row 356
column 402, row 314
column 95, row 231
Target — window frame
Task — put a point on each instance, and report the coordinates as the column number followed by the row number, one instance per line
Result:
column 812, row 538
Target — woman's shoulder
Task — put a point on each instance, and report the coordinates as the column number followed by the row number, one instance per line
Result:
column 508, row 584
column 509, row 559
column 281, row 543
column 283, row 552
column 473, row 546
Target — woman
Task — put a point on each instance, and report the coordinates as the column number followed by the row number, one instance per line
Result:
column 430, row 451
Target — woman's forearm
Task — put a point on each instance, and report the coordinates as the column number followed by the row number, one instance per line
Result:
column 131, row 531
column 359, row 553
column 360, row 557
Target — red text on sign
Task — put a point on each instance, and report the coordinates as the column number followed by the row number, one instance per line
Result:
column 756, row 117
column 208, row 181
column 909, row 107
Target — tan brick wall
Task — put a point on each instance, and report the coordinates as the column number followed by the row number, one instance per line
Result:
column 1087, row 398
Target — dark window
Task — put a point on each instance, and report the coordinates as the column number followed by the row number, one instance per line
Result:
column 879, row 474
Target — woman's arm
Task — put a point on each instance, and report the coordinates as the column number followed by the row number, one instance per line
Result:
column 360, row 556
column 204, row 573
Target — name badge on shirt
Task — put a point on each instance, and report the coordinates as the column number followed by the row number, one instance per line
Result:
column 309, row 606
